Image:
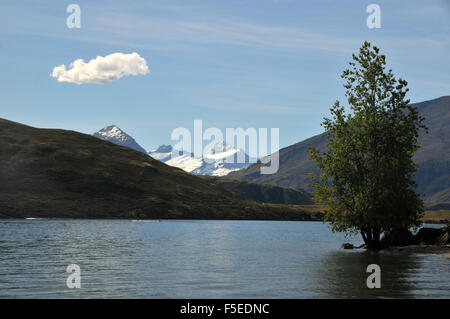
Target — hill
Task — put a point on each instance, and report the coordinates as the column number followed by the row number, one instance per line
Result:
column 433, row 157
column 263, row 193
column 59, row 173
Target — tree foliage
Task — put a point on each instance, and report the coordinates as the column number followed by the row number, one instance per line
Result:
column 366, row 173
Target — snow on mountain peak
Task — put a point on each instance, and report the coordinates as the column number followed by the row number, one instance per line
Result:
column 113, row 131
column 218, row 159
column 117, row 136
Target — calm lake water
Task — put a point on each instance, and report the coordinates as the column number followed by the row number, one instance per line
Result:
column 203, row 259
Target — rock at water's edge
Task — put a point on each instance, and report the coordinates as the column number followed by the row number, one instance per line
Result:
column 429, row 236
column 347, row 246
column 398, row 237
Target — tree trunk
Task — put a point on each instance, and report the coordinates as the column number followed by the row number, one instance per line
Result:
column 371, row 237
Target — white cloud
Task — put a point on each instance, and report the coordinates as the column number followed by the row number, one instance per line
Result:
column 101, row 70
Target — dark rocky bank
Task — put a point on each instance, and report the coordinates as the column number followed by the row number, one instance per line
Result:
column 425, row 237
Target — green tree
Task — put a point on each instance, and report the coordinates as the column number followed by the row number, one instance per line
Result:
column 366, row 173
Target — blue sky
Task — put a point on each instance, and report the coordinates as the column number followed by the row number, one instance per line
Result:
column 246, row 63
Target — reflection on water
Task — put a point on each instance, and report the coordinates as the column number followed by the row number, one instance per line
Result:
column 203, row 259
column 344, row 274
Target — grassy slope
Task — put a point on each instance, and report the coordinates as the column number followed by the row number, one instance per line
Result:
column 58, row 173
column 436, row 216
column 433, row 176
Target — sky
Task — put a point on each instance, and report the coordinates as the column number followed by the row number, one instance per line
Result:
column 246, row 63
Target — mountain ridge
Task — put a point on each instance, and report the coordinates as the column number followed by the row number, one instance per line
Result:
column 433, row 176
column 263, row 193
column 219, row 160
column 66, row 174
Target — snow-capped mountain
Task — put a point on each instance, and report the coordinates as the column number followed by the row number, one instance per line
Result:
column 115, row 135
column 218, row 160
column 162, row 153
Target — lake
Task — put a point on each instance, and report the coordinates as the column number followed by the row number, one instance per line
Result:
column 204, row 259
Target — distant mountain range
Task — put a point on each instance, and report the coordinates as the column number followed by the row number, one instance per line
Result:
column 218, row 160
column 433, row 157
column 59, row 173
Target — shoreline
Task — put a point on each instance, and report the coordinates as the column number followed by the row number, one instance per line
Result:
column 440, row 250
column 437, row 250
